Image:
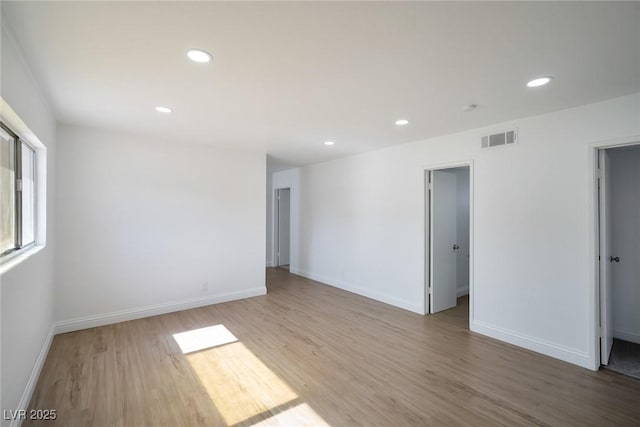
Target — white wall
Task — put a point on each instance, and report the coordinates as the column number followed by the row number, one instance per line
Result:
column 146, row 225
column 625, row 242
column 26, row 291
column 360, row 225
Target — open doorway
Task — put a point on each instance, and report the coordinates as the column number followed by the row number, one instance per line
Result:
column 618, row 195
column 448, row 238
column 283, row 227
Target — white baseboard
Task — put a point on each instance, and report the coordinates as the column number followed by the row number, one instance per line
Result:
column 270, row 264
column 557, row 351
column 378, row 296
column 627, row 336
column 460, row 292
column 153, row 310
column 35, row 374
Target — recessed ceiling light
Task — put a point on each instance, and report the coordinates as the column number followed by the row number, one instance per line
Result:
column 402, row 122
column 329, row 143
column 541, row 81
column 198, row 55
column 161, row 109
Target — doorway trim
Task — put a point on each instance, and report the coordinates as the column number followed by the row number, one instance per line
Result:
column 276, row 225
column 594, row 239
column 427, row 238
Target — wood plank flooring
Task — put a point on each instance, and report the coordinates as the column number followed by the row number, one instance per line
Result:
column 310, row 354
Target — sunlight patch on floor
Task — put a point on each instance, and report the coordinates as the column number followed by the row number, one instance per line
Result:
column 203, row 338
column 239, row 384
column 300, row 416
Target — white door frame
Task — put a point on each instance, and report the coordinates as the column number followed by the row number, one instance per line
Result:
column 276, row 225
column 594, row 239
column 426, row 244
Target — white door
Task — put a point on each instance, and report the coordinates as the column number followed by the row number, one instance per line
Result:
column 606, row 298
column 284, row 213
column 443, row 219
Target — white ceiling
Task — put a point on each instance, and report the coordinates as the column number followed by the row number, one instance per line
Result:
column 288, row 76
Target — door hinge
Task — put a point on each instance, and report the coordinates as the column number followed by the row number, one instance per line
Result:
column 18, row 185
column 430, row 186
column 429, row 290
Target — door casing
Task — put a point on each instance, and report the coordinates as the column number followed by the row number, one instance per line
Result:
column 594, row 242
column 604, row 251
column 276, row 228
column 427, row 238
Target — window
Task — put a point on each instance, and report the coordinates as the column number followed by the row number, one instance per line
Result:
column 18, row 185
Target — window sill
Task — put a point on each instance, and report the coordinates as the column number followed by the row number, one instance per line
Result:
column 9, row 261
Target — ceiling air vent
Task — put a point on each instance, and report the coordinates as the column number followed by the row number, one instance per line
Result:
column 497, row 139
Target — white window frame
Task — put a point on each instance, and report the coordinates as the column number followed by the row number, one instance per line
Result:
column 9, row 117
column 19, row 245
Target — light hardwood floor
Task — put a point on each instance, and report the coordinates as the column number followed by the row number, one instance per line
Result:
column 309, row 354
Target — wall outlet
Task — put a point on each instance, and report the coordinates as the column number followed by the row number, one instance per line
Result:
column 205, row 287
